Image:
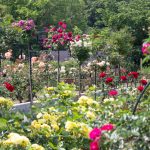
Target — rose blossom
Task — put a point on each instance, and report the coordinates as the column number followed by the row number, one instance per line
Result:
column 123, row 78
column 41, row 65
column 95, row 133
column 133, row 74
column 113, row 93
column 102, row 74
column 146, row 48
column 140, row 88
column 108, row 80
column 34, row 59
column 107, row 127
column 143, row 82
column 9, row 87
column 94, row 145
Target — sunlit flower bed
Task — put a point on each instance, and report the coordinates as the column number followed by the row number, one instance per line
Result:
column 60, row 120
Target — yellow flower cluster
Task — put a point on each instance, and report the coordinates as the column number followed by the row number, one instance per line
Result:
column 36, row 147
column 77, row 128
column 46, row 122
column 84, row 100
column 50, row 89
column 5, row 103
column 66, row 94
column 90, row 115
column 109, row 100
column 39, row 127
column 15, row 139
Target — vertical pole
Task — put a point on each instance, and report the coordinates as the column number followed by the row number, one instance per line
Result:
column 21, row 54
column 30, row 75
column 141, row 64
column 0, row 62
column 95, row 82
column 58, row 67
column 79, row 79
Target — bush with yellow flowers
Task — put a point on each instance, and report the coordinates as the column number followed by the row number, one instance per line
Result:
column 5, row 105
column 16, row 141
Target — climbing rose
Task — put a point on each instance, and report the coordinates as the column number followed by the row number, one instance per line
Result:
column 107, row 127
column 109, row 80
column 94, row 145
column 143, row 82
column 140, row 88
column 123, row 78
column 102, row 74
column 113, row 93
column 8, row 86
column 96, row 132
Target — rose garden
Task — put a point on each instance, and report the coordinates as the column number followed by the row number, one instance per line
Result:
column 75, row 75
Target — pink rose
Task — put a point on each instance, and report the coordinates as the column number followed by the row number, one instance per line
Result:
column 95, row 133
column 107, row 127
column 94, row 145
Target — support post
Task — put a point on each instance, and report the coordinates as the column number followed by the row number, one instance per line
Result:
column 79, row 79
column 58, row 67
column 139, row 98
column 30, row 74
column 95, row 80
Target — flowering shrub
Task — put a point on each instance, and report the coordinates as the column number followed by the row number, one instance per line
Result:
column 16, row 141
column 25, row 25
column 58, row 37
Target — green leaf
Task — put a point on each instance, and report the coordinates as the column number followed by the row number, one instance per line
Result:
column 3, row 124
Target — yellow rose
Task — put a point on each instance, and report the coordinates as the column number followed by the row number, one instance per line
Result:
column 70, row 125
column 90, row 115
column 36, row 147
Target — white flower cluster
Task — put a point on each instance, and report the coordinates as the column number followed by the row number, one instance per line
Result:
column 103, row 63
column 86, row 42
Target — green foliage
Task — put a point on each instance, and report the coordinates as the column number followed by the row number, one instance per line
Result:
column 116, row 15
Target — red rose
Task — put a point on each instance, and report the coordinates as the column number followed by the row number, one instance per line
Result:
column 134, row 74
column 60, row 30
column 102, row 74
column 143, row 82
column 123, row 78
column 113, row 93
column 9, row 87
column 60, row 23
column 108, row 80
column 140, row 88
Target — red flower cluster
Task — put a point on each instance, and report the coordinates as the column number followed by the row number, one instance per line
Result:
column 108, row 80
column 123, row 78
column 96, row 133
column 58, row 35
column 113, row 93
column 102, row 75
column 133, row 74
column 9, row 87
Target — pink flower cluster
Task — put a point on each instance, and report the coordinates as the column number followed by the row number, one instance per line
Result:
column 96, row 134
column 58, row 35
column 146, row 48
column 25, row 25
